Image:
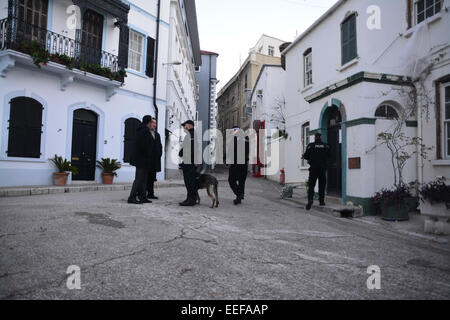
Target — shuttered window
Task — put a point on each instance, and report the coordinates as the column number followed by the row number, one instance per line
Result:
column 131, row 125
column 25, row 128
column 348, row 39
column 150, row 57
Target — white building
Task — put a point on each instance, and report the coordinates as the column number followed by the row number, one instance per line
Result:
column 344, row 78
column 268, row 101
column 70, row 106
column 268, row 45
column 182, row 92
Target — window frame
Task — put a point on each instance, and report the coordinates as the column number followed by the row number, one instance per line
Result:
column 386, row 105
column 347, row 42
column 425, row 9
column 306, row 140
column 5, row 131
column 271, row 49
column 145, row 36
column 307, row 54
column 445, row 123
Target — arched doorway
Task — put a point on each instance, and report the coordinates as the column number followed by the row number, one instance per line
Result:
column 333, row 129
column 84, row 144
column 334, row 139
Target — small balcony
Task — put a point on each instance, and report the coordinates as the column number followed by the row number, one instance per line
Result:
column 25, row 44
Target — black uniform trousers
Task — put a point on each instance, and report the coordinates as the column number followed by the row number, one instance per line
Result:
column 237, row 177
column 314, row 175
column 139, row 184
column 190, row 180
column 151, row 182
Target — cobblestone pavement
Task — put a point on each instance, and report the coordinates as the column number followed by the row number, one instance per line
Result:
column 265, row 249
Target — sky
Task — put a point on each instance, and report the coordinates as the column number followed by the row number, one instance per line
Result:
column 231, row 27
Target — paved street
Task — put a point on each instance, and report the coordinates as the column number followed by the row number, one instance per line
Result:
column 265, row 249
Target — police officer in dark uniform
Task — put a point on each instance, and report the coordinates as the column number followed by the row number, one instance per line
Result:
column 318, row 155
column 239, row 167
column 188, row 166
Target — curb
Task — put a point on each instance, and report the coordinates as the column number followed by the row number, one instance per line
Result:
column 35, row 191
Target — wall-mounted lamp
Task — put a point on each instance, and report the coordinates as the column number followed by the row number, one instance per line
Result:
column 175, row 63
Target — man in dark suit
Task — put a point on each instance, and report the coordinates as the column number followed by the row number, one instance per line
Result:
column 189, row 167
column 141, row 159
column 239, row 166
column 155, row 163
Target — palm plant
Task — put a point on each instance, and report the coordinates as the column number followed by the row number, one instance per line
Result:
column 109, row 166
column 63, row 165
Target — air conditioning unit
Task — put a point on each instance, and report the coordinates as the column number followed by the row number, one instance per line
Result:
column 259, row 93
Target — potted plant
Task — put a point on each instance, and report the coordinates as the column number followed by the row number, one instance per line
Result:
column 64, row 168
column 435, row 205
column 109, row 168
column 395, row 204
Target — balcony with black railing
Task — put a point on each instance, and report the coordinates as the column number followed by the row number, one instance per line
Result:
column 45, row 46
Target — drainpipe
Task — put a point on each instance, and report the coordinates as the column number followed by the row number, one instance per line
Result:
column 420, row 135
column 155, row 75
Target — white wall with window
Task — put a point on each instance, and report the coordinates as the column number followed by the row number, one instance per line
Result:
column 344, row 49
column 114, row 109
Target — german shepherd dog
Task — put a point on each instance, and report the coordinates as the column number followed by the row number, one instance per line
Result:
column 210, row 183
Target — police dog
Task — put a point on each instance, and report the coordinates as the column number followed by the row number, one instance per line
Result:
column 210, row 183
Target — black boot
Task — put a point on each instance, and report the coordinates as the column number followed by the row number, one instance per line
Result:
column 152, row 197
column 309, row 205
column 134, row 201
column 237, row 201
column 188, row 203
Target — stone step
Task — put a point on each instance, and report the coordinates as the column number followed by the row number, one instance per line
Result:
column 41, row 190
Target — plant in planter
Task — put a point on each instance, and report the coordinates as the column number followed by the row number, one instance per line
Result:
column 64, row 168
column 395, row 204
column 109, row 168
column 435, row 205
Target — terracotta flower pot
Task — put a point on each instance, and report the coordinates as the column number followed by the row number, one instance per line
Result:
column 108, row 178
column 60, row 179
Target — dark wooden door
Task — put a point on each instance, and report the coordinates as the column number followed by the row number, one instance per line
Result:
column 334, row 182
column 84, row 144
column 92, row 37
column 131, row 126
column 32, row 21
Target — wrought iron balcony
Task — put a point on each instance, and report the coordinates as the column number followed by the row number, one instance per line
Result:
column 44, row 45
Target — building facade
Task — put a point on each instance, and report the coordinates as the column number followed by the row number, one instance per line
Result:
column 234, row 98
column 98, row 68
column 347, row 76
column 268, row 102
column 206, row 78
column 182, row 92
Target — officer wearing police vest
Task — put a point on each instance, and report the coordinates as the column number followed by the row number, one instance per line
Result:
column 318, row 155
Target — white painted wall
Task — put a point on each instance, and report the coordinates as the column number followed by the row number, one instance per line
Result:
column 3, row 9
column 382, row 51
column 181, row 85
column 134, row 99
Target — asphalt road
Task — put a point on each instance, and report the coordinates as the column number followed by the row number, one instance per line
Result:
column 265, row 249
